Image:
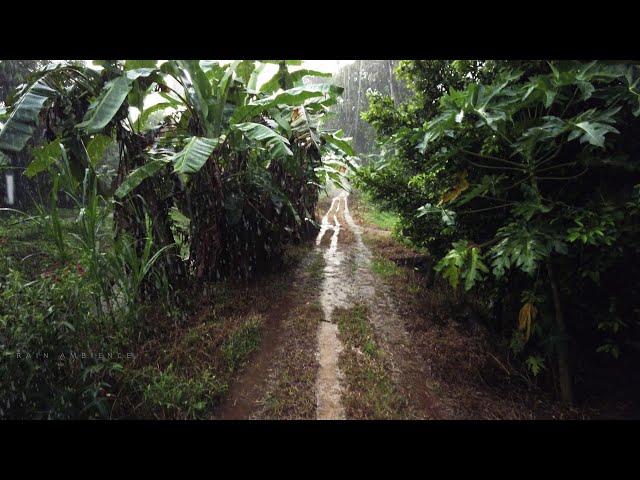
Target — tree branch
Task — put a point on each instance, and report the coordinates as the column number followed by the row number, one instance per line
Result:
column 485, row 209
column 490, row 157
column 493, row 167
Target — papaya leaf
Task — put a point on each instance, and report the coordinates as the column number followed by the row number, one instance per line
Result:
column 593, row 133
column 475, row 270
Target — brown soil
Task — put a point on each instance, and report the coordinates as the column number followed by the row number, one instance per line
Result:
column 194, row 345
column 341, row 341
column 278, row 381
column 396, row 365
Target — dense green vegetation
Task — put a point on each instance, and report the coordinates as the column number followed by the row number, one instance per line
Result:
column 146, row 187
column 521, row 178
column 213, row 175
column 13, row 73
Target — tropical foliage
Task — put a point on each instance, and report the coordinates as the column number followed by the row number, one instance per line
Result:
column 214, row 174
column 522, row 179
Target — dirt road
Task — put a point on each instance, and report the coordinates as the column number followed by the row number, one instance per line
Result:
column 378, row 374
column 349, row 281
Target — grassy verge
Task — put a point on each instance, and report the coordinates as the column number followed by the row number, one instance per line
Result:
column 24, row 246
column 370, row 393
column 182, row 361
column 384, row 267
column 186, row 374
column 60, row 344
column 185, row 371
column 382, row 219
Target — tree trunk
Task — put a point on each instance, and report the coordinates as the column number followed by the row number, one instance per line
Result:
column 564, row 372
column 357, row 119
column 392, row 89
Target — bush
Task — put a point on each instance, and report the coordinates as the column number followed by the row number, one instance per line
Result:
column 171, row 395
column 521, row 179
column 52, row 344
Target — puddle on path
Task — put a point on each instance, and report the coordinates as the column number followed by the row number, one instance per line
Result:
column 339, row 289
column 346, row 283
column 332, row 295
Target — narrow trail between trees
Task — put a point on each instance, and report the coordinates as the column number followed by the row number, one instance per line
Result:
column 307, row 351
column 328, row 385
column 349, row 281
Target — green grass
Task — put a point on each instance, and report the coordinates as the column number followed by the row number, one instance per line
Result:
column 375, row 214
column 382, row 219
column 316, row 268
column 370, row 393
column 242, row 342
column 192, row 376
column 28, row 246
column 24, row 246
column 384, row 267
column 354, row 324
column 177, row 396
column 290, row 392
column 48, row 303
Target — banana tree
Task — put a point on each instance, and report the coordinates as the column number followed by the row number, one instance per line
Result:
column 80, row 112
column 246, row 161
column 241, row 162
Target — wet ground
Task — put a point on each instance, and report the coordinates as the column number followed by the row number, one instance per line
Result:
column 349, row 280
column 333, row 294
column 342, row 339
column 346, row 281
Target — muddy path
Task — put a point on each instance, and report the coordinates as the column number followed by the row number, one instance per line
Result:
column 332, row 295
column 345, row 339
column 348, row 281
column 246, row 393
column 277, row 381
column 298, row 372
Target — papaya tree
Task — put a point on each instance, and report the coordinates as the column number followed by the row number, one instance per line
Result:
column 529, row 170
